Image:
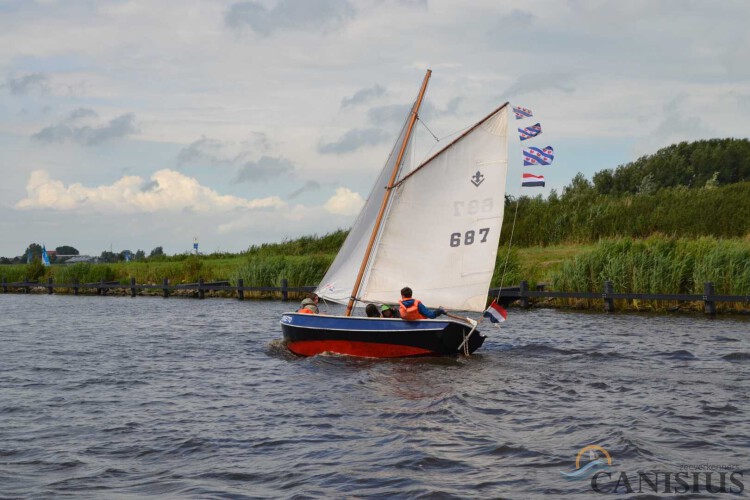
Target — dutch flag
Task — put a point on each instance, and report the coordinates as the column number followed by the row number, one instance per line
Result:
column 531, row 180
column 496, row 313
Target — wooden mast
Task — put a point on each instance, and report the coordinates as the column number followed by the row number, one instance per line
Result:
column 387, row 195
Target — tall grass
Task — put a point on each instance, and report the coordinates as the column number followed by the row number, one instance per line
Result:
column 83, row 273
column 298, row 270
column 660, row 264
column 13, row 272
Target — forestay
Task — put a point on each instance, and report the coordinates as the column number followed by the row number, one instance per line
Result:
column 442, row 228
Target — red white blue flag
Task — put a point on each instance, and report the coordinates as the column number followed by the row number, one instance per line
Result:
column 536, row 156
column 529, row 132
column 496, row 313
column 522, row 112
column 531, row 180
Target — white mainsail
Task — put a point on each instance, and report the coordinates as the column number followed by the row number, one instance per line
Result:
column 442, row 229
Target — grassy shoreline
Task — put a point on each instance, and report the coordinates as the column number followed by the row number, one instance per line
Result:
column 658, row 264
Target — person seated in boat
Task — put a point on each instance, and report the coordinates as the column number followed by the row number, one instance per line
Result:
column 372, row 311
column 387, row 311
column 412, row 309
column 309, row 305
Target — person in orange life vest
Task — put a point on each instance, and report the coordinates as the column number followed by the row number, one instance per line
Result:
column 309, row 305
column 412, row 309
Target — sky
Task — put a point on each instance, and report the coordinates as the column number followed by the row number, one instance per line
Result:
column 137, row 124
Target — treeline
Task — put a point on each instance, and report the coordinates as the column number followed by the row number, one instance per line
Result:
column 584, row 216
column 306, row 245
column 688, row 189
column 714, row 162
column 64, row 253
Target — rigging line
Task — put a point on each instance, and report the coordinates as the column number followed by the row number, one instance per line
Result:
column 441, row 139
column 466, row 132
column 507, row 255
column 428, row 129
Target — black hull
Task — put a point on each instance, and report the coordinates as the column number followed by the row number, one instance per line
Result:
column 308, row 335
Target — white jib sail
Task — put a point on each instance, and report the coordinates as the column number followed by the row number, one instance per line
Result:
column 338, row 282
column 442, row 230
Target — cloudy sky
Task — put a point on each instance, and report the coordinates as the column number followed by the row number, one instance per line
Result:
column 136, row 124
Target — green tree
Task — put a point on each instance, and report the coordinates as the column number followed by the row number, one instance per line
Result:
column 648, row 185
column 35, row 249
column 603, row 181
column 108, row 257
column 66, row 250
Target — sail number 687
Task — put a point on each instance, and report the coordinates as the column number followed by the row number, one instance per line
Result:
column 469, row 237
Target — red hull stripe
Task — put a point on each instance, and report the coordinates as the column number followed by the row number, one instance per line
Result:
column 355, row 348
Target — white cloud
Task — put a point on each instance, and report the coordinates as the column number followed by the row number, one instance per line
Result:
column 167, row 190
column 208, row 81
column 344, row 202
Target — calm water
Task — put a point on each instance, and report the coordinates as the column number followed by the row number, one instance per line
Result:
column 108, row 397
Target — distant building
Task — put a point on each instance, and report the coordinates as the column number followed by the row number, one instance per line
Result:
column 77, row 259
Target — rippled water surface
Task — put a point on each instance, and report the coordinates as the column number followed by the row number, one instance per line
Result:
column 110, row 397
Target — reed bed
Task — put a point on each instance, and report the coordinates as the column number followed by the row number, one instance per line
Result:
column 298, row 270
column 660, row 265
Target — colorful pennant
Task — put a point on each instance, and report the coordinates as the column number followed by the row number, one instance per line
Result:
column 522, row 112
column 529, row 132
column 536, row 156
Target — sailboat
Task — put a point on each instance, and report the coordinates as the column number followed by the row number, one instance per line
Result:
column 435, row 228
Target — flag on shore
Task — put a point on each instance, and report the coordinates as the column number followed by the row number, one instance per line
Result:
column 522, row 112
column 496, row 313
column 529, row 132
column 536, row 156
column 531, row 180
column 45, row 257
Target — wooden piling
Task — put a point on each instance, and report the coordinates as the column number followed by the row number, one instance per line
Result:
column 284, row 291
column 75, row 286
column 708, row 292
column 49, row 285
column 132, row 287
column 201, row 291
column 5, row 285
column 609, row 302
column 523, row 290
column 165, row 287
column 240, row 291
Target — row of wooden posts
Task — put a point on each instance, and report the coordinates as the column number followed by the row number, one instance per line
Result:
column 102, row 287
column 522, row 293
column 608, row 295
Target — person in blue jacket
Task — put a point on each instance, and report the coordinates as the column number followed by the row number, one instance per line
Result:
column 412, row 309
